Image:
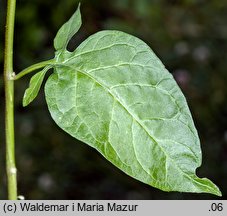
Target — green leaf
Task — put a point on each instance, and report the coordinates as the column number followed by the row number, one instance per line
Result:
column 34, row 86
column 114, row 94
column 66, row 32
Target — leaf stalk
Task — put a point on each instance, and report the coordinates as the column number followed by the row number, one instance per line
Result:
column 32, row 68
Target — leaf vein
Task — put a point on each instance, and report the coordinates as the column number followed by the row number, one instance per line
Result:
column 97, row 50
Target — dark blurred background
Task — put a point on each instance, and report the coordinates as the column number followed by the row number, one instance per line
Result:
column 189, row 36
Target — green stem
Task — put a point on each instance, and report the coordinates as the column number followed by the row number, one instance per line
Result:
column 32, row 68
column 9, row 101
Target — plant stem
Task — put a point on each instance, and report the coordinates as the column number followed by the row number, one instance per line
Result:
column 32, row 68
column 9, row 101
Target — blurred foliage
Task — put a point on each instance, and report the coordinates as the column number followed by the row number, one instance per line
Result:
column 190, row 36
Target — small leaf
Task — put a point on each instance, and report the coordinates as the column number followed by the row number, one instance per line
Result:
column 114, row 94
column 66, row 32
column 34, row 86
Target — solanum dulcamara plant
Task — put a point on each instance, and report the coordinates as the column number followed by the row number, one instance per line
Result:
column 114, row 94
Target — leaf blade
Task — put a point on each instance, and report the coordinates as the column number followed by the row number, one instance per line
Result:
column 107, row 82
column 34, row 86
column 66, row 32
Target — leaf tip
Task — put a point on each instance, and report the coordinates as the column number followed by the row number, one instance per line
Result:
column 211, row 187
column 25, row 100
column 217, row 192
column 79, row 4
